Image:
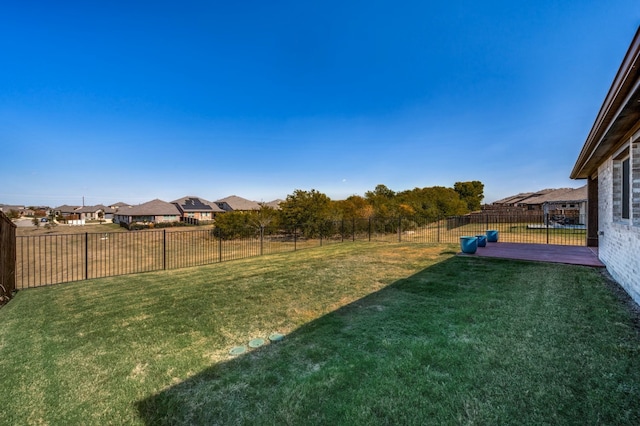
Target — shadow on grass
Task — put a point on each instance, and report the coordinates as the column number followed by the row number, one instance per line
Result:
column 466, row 340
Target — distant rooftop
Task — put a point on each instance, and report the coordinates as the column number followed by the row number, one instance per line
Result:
column 546, row 196
column 193, row 203
column 237, row 203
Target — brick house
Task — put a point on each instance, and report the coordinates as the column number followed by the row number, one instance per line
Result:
column 66, row 212
column 154, row 211
column 95, row 212
column 569, row 203
column 20, row 210
column 610, row 162
column 196, row 208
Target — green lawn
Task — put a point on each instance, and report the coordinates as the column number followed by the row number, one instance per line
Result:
column 376, row 333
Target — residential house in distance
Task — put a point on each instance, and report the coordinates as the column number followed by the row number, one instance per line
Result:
column 98, row 212
column 154, row 211
column 234, row 203
column 610, row 162
column 119, row 205
column 196, row 209
column 41, row 211
column 568, row 205
column 66, row 212
column 20, row 210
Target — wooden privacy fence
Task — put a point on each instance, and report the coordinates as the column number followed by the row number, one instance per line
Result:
column 51, row 259
column 7, row 258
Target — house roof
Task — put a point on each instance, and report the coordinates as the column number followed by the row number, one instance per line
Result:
column 547, row 196
column 65, row 208
column 239, row 203
column 152, row 208
column 120, row 204
column 275, row 204
column 7, row 207
column 522, row 197
column 562, row 195
column 618, row 118
column 192, row 203
column 93, row 209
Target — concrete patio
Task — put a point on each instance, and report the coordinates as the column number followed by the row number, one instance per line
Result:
column 573, row 255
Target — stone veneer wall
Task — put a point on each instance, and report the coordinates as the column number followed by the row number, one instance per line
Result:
column 619, row 240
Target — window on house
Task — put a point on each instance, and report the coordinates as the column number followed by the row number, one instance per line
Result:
column 626, row 199
column 622, row 186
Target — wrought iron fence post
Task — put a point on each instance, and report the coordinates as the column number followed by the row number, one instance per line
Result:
column 86, row 255
column 369, row 228
column 261, row 239
column 220, row 245
column 353, row 229
column 400, row 229
column 546, row 220
column 438, row 230
column 164, row 249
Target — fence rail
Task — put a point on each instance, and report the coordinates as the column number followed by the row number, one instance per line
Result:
column 51, row 259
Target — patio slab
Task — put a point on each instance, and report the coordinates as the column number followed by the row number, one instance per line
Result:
column 572, row 255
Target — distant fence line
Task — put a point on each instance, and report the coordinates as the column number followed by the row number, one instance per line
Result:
column 51, row 259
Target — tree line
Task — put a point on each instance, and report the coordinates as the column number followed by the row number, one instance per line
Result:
column 312, row 211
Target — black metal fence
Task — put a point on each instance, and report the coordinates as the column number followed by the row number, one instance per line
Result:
column 50, row 259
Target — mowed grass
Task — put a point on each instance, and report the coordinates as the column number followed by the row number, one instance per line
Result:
column 376, row 333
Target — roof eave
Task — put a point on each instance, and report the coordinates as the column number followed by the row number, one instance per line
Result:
column 604, row 136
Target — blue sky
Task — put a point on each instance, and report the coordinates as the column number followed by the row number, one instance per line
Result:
column 130, row 101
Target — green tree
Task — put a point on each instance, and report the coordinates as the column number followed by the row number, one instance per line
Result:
column 432, row 203
column 36, row 222
column 383, row 201
column 472, row 193
column 354, row 207
column 267, row 219
column 308, row 211
column 246, row 224
column 381, row 191
column 235, row 224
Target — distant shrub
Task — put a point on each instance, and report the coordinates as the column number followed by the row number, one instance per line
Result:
column 170, row 224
